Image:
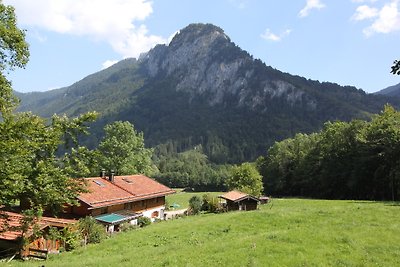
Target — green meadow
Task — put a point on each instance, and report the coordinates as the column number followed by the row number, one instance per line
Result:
column 286, row 232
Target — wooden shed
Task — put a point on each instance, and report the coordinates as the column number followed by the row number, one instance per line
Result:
column 236, row 200
column 11, row 235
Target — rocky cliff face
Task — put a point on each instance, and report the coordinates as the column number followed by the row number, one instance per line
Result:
column 205, row 62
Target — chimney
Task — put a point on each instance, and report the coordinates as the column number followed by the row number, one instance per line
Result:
column 111, row 176
column 103, row 173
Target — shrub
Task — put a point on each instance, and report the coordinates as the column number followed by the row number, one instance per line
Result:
column 91, row 230
column 70, row 238
column 127, row 227
column 195, row 204
column 210, row 203
column 144, row 221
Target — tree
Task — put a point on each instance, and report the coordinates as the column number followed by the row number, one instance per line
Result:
column 31, row 172
column 123, row 151
column 14, row 53
column 245, row 178
column 82, row 162
column 195, row 203
column 190, row 169
column 396, row 67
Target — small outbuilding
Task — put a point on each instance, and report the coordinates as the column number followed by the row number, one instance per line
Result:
column 11, row 235
column 236, row 200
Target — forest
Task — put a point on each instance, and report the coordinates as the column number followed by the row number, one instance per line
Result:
column 345, row 160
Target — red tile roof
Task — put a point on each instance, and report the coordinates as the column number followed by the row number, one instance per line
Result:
column 103, row 193
column 237, row 196
column 10, row 222
column 124, row 189
column 141, row 186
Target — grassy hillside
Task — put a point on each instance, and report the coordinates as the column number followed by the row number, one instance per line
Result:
column 291, row 232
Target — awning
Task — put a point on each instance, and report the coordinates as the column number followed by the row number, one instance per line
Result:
column 117, row 218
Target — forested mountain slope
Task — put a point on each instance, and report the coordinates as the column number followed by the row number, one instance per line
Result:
column 203, row 89
column 390, row 91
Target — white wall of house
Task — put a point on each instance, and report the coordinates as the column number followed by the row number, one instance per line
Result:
column 149, row 213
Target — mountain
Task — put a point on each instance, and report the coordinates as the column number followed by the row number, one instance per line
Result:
column 390, row 91
column 203, row 89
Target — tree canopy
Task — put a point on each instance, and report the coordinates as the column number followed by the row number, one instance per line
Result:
column 346, row 160
column 245, row 178
column 14, row 53
column 30, row 169
column 123, row 150
column 192, row 169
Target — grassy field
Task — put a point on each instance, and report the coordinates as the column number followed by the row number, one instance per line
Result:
column 290, row 232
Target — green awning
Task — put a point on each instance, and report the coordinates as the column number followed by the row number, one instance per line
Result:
column 113, row 218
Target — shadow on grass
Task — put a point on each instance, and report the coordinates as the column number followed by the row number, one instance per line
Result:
column 386, row 203
column 392, row 203
column 363, row 201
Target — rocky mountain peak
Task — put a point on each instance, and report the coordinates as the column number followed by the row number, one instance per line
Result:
column 203, row 61
column 198, row 33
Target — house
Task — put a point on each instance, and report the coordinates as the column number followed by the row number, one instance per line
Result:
column 236, row 200
column 114, row 200
column 11, row 234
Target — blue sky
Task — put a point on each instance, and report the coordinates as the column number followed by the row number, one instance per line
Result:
column 349, row 42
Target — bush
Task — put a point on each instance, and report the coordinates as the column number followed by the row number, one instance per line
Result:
column 125, row 227
column 144, row 221
column 91, row 230
column 70, row 238
column 210, row 203
column 195, row 204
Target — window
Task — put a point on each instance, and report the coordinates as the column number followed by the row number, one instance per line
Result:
column 99, row 183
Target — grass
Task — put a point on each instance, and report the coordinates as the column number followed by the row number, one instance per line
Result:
column 292, row 232
column 182, row 198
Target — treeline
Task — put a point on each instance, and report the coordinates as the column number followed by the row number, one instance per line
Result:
column 190, row 169
column 346, row 160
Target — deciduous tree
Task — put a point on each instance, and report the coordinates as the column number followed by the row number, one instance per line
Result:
column 14, row 53
column 123, row 150
column 245, row 178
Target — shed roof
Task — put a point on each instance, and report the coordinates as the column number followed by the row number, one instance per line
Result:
column 237, row 196
column 10, row 223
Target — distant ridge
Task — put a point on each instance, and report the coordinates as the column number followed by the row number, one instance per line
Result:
column 390, row 91
column 202, row 89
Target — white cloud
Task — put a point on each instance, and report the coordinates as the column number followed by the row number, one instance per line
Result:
column 108, row 63
column 311, row 4
column 270, row 36
column 385, row 20
column 365, row 12
column 118, row 22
